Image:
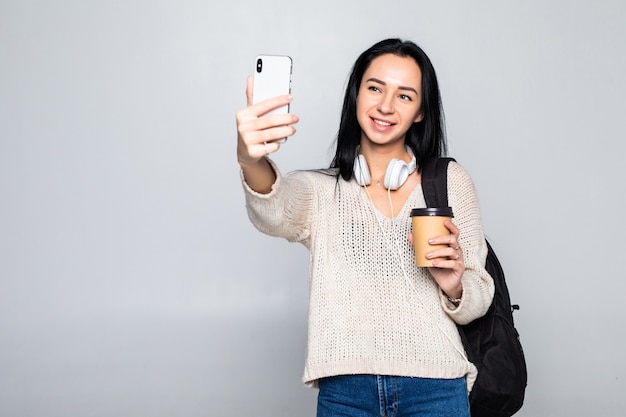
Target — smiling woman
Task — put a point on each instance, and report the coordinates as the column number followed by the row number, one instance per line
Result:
column 387, row 105
column 389, row 102
column 372, row 310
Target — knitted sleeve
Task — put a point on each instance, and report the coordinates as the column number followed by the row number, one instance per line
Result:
column 285, row 211
column 478, row 287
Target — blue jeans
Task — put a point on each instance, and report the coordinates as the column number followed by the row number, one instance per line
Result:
column 391, row 396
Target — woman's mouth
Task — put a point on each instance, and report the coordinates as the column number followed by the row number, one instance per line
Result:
column 381, row 123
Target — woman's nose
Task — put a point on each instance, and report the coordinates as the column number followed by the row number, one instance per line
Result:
column 385, row 105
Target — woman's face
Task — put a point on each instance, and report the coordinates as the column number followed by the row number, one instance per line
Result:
column 389, row 99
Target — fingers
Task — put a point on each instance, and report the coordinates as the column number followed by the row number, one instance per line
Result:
column 266, row 105
column 450, row 255
column 270, row 147
column 452, row 252
column 447, row 258
column 451, row 239
column 251, row 118
column 454, row 231
column 448, row 262
column 260, row 134
column 252, row 148
column 249, row 122
column 253, row 132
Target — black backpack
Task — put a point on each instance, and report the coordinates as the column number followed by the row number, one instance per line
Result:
column 491, row 342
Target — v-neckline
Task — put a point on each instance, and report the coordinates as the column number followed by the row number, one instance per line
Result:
column 403, row 209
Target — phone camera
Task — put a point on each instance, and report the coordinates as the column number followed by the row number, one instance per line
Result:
column 259, row 65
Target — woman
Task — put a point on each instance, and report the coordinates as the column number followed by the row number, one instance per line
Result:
column 382, row 336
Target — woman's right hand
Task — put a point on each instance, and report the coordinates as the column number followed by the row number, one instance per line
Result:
column 257, row 133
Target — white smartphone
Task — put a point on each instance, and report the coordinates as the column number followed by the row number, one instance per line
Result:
column 272, row 78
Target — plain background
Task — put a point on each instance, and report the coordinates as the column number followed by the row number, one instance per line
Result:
column 133, row 284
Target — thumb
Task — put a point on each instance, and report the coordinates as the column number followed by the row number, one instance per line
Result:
column 249, row 89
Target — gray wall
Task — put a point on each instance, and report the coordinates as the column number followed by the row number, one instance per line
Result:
column 132, row 283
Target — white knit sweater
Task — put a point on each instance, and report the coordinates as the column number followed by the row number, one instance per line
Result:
column 372, row 311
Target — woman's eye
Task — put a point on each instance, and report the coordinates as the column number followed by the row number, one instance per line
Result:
column 373, row 88
column 405, row 97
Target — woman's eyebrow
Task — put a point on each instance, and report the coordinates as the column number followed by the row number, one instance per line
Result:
column 376, row 80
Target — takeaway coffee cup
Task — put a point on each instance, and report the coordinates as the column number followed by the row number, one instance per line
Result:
column 428, row 223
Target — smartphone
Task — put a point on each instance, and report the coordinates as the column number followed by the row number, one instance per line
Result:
column 272, row 78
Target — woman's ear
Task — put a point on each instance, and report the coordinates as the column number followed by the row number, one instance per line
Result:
column 419, row 117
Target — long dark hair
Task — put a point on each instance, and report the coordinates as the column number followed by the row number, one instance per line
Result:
column 425, row 138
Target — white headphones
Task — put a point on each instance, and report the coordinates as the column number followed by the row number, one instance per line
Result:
column 397, row 171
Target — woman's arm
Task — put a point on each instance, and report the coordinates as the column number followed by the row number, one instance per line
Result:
column 476, row 283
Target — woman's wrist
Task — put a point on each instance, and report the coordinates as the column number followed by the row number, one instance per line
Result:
column 454, row 292
column 259, row 176
column 454, row 295
column 455, row 301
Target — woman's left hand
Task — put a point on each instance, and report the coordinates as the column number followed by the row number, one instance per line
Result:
column 448, row 265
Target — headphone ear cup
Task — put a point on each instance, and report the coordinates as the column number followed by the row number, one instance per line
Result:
column 396, row 174
column 361, row 171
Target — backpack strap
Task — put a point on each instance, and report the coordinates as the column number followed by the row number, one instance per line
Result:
column 435, row 181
